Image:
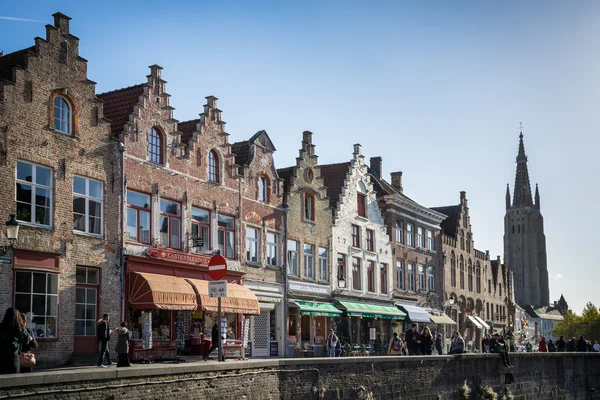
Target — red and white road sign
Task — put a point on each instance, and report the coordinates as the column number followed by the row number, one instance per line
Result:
column 217, row 267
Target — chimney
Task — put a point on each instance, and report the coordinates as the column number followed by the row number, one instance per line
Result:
column 357, row 149
column 376, row 166
column 397, row 180
column 61, row 22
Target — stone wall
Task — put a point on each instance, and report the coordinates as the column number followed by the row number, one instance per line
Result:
column 537, row 376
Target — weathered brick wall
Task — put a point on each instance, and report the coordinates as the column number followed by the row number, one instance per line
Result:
column 537, row 376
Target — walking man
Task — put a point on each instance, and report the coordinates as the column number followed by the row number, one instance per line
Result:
column 103, row 332
column 332, row 341
column 438, row 344
column 413, row 340
column 215, row 341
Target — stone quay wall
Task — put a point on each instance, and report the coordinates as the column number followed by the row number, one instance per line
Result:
column 537, row 376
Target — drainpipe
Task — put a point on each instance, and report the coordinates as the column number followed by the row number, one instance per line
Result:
column 122, row 148
column 286, row 210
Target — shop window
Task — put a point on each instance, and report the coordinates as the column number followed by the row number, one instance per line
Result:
column 355, row 236
column 263, row 189
column 371, row 276
column 430, row 279
column 252, row 245
column 356, row 274
column 34, row 194
column 341, row 265
column 309, row 261
column 410, row 235
column 319, row 328
column 420, row 238
column 161, row 324
column 292, row 257
column 170, row 224
column 323, row 264
column 62, row 115
column 226, row 236
column 86, row 301
column 400, row 273
column 399, row 231
column 370, row 240
column 293, row 323
column 155, row 146
column 384, row 278
column 362, row 208
column 421, row 270
column 36, row 294
column 213, row 166
column 306, row 328
column 272, row 249
column 138, row 217
column 309, row 207
column 201, row 227
column 272, row 325
column 87, row 205
column 411, row 276
column 430, row 241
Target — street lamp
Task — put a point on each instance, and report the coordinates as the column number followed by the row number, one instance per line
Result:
column 342, row 282
column 12, row 233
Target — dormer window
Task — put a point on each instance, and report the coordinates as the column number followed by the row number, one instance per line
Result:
column 213, row 166
column 263, row 189
column 62, row 115
column 155, row 146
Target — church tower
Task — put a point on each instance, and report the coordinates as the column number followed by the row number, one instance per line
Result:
column 524, row 239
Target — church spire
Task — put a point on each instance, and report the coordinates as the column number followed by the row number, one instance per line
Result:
column 537, row 197
column 522, row 196
column 507, row 197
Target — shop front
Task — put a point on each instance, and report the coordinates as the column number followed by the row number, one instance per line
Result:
column 415, row 314
column 265, row 332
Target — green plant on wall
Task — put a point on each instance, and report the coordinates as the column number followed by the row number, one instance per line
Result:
column 485, row 392
column 465, row 390
column 507, row 395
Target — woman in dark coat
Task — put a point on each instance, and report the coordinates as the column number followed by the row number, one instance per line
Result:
column 122, row 347
column 426, row 342
column 32, row 344
column 12, row 337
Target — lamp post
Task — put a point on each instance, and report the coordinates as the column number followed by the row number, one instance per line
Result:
column 12, row 233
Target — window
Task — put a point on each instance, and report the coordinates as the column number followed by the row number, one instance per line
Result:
column 226, row 235
column 356, row 275
column 421, row 269
column 399, row 231
column 362, row 209
column 489, row 286
column 452, row 269
column 355, row 236
column 170, row 224
column 371, row 276
column 87, row 205
column 430, row 241
column 410, row 235
column 420, row 238
column 487, row 312
column 411, row 276
column 468, row 242
column 478, row 277
column 370, row 240
column 384, row 278
column 309, row 207
column 400, row 273
column 461, row 266
column 470, row 275
column 462, row 240
column 213, row 166
column 272, row 249
column 309, row 261
column 430, row 279
column 323, row 264
column 201, row 227
column 62, row 115
column 252, row 245
column 138, row 216
column 341, row 264
column 34, row 194
column 155, row 147
column 500, row 289
column 292, row 257
column 86, row 301
column 263, row 189
column 36, row 294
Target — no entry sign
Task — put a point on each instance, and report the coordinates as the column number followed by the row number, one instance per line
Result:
column 217, row 267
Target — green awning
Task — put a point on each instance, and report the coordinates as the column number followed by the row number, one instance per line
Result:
column 369, row 310
column 317, row 309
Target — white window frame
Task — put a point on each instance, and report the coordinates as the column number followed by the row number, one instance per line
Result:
column 323, row 264
column 420, row 238
column 204, row 228
column 410, row 267
column 252, row 245
column 263, row 195
column 34, row 188
column 87, row 286
column 47, row 296
column 431, row 278
column 87, row 197
column 410, row 235
column 173, row 236
column 292, row 257
column 422, row 280
column 399, row 231
column 272, row 249
column 430, row 240
column 308, row 260
column 61, row 118
column 400, row 274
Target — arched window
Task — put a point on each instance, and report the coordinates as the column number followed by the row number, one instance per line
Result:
column 263, row 189
column 462, row 240
column 468, row 242
column 155, row 146
column 62, row 115
column 470, row 277
column 452, row 269
column 461, row 267
column 478, row 277
column 213, row 166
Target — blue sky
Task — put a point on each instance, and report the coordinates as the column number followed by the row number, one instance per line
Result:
column 437, row 88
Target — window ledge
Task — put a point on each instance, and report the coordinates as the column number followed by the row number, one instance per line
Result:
column 307, row 279
column 253, row 264
column 371, row 252
column 431, row 251
column 90, row 235
column 365, row 219
column 309, row 221
column 273, row 267
column 34, row 225
column 323, row 282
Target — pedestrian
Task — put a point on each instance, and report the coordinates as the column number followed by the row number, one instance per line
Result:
column 215, row 336
column 413, row 340
column 458, row 343
column 426, row 342
column 438, row 344
column 395, row 346
column 404, row 347
column 332, row 341
column 497, row 345
column 551, row 346
column 581, row 344
column 13, row 336
column 485, row 344
column 596, row 346
column 122, row 347
column 572, row 345
column 26, row 348
column 103, row 332
column 561, row 345
column 542, row 348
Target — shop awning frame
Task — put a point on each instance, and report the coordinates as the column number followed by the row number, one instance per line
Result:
column 475, row 322
column 317, row 309
column 442, row 319
column 482, row 322
column 369, row 310
column 415, row 313
column 154, row 291
column 239, row 300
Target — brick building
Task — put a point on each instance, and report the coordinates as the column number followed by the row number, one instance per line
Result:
column 60, row 173
column 311, row 310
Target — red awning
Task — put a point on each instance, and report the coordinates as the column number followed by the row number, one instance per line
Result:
column 239, row 300
column 151, row 291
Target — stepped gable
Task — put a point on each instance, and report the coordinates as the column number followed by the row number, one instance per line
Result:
column 242, row 152
column 188, row 128
column 286, row 175
column 334, row 176
column 119, row 104
column 449, row 224
column 18, row 59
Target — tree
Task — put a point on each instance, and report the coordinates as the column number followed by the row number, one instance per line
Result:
column 573, row 325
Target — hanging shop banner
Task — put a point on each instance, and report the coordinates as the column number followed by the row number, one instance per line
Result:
column 147, row 329
column 245, row 331
column 223, row 330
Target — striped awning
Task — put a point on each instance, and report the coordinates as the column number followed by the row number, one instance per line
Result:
column 370, row 310
column 318, row 309
column 239, row 300
column 154, row 291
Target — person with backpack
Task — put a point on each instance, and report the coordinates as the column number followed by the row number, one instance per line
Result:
column 331, row 341
column 13, row 336
column 103, row 332
column 426, row 342
column 561, row 345
column 395, row 346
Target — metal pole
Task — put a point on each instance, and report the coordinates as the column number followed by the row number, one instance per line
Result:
column 220, row 334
